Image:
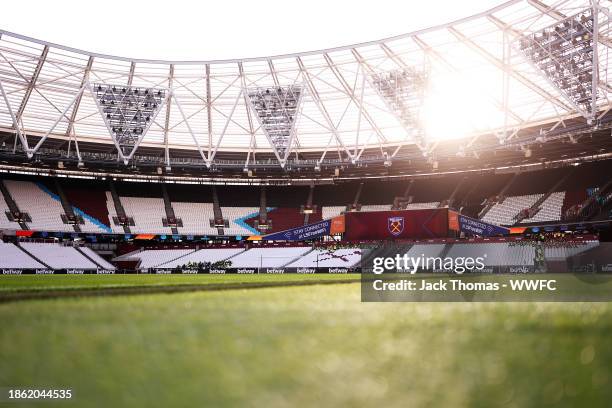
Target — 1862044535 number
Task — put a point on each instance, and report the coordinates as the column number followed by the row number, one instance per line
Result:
column 35, row 394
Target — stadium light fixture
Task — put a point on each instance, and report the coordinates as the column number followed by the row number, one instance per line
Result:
column 277, row 109
column 128, row 112
column 566, row 54
column 403, row 91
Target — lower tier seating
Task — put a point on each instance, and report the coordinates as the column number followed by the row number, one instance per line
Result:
column 58, row 256
column 11, row 257
column 324, row 258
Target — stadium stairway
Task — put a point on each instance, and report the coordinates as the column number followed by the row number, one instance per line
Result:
column 89, row 257
column 503, row 191
column 11, row 204
column 296, row 258
column 537, row 206
column 168, row 207
column 18, row 245
column 217, row 209
column 68, row 211
column 309, row 204
column 176, row 258
column 445, row 251
column 118, row 206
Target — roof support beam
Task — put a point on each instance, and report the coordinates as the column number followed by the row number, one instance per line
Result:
column 516, row 75
column 70, row 128
column 211, row 157
column 208, row 109
column 167, row 121
column 426, row 48
column 351, row 93
column 18, row 132
column 548, row 10
column 248, row 111
column 31, row 152
column 33, row 81
column 131, row 74
column 317, row 99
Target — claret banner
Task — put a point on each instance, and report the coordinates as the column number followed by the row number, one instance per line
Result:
column 403, row 224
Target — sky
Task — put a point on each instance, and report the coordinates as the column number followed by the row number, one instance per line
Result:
column 226, row 29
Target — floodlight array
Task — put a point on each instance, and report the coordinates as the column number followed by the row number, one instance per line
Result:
column 564, row 53
column 403, row 91
column 128, row 111
column 276, row 109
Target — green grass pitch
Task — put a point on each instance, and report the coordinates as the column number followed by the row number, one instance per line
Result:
column 299, row 346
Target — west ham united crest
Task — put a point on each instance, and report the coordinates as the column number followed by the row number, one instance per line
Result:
column 395, row 225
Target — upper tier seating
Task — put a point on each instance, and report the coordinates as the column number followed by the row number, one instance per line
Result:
column 148, row 214
column 236, row 217
column 203, row 255
column 45, row 211
column 324, row 258
column 505, row 213
column 4, row 222
column 11, row 257
column 195, row 217
column 550, row 210
column 332, row 211
column 267, row 257
column 422, row 206
column 376, row 207
column 45, row 208
column 58, row 256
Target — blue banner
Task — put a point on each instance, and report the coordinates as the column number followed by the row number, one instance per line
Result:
column 476, row 227
column 310, row 231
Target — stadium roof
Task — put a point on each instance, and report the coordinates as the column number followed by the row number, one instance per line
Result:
column 467, row 79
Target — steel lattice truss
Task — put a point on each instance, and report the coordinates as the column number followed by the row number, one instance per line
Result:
column 277, row 109
column 128, row 112
column 346, row 102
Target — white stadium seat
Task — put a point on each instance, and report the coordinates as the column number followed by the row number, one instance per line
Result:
column 58, row 256
column 203, row 255
column 324, row 258
column 268, row 257
column 13, row 257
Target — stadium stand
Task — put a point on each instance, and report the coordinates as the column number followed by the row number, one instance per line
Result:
column 195, row 216
column 58, row 256
column 495, row 254
column 147, row 213
column 237, row 217
column 4, row 221
column 506, row 211
column 97, row 259
column 42, row 207
column 425, row 250
column 203, row 255
column 422, row 206
column 11, row 256
column 329, row 258
column 562, row 251
column 154, row 257
column 268, row 257
column 550, row 210
column 332, row 211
